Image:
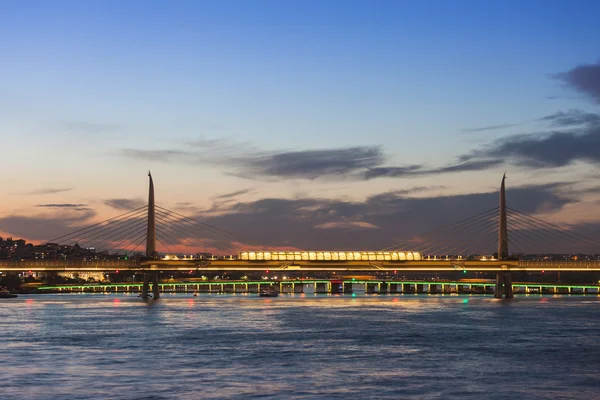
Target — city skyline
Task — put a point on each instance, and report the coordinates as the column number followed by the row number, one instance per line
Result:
column 327, row 124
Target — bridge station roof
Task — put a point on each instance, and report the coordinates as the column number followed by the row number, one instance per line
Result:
column 330, row 256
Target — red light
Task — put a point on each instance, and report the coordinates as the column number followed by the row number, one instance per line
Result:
column 29, row 271
column 116, row 272
column 267, row 271
column 542, row 272
column 395, row 271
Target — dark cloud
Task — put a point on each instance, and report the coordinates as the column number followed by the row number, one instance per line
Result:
column 233, row 194
column 310, row 164
column 43, row 228
column 569, row 118
column 75, row 207
column 125, row 204
column 62, row 205
column 488, row 128
column 463, row 165
column 48, row 191
column 380, row 221
column 546, row 150
column 156, row 155
column 417, row 189
column 585, row 79
column 246, row 162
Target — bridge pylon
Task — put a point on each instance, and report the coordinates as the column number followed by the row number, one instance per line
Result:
column 503, row 278
column 151, row 245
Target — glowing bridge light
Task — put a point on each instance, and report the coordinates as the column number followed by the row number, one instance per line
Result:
column 330, row 256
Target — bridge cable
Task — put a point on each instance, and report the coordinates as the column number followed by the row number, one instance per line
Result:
column 143, row 237
column 556, row 227
column 90, row 226
column 454, row 249
column 110, row 234
column 542, row 230
column 164, row 245
column 187, row 230
column 137, row 232
column 174, row 231
column 518, row 236
column 462, row 224
column 483, row 222
column 108, row 237
column 224, row 232
column 89, row 236
column 453, row 225
column 530, row 231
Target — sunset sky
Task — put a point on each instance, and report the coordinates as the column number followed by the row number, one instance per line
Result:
column 299, row 124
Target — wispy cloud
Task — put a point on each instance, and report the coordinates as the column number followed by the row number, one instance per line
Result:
column 77, row 207
column 233, row 194
column 355, row 163
column 571, row 118
column 346, row 225
column 488, row 128
column 125, row 204
column 47, row 191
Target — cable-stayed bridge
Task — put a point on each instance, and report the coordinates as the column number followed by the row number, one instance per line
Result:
column 478, row 243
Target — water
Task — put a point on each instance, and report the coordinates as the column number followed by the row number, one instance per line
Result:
column 81, row 346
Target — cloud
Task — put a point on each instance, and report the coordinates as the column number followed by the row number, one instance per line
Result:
column 233, row 194
column 488, row 128
column 571, row 118
column 76, row 207
column 62, row 205
column 585, row 79
column 380, row 221
column 547, row 149
column 346, row 225
column 45, row 227
column 48, row 191
column 386, row 218
column 413, row 170
column 125, row 204
column 417, row 189
column 310, row 164
column 156, row 155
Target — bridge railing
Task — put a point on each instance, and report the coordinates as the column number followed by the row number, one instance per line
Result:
column 561, row 263
column 25, row 264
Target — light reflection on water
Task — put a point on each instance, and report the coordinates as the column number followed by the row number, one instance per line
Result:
column 75, row 346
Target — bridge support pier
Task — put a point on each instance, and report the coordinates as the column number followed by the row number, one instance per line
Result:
column 503, row 285
column 155, row 287
column 150, row 276
column 146, row 286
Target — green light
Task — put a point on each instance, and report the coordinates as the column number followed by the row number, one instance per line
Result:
column 464, row 271
column 465, row 301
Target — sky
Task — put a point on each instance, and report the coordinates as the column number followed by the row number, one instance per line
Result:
column 299, row 124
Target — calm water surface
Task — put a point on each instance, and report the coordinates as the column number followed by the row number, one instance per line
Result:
column 80, row 346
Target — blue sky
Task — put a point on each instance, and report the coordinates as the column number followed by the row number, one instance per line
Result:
column 218, row 93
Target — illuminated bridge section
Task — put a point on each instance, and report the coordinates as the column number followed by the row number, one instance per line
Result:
column 330, row 256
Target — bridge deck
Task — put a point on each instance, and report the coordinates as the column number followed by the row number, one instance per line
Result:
column 240, row 265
